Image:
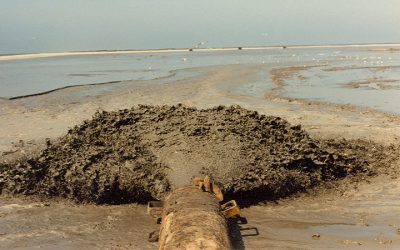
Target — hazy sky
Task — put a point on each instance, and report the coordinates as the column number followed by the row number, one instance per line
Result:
column 64, row 25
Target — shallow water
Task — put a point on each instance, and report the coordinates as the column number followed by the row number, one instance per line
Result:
column 354, row 76
column 29, row 76
column 368, row 79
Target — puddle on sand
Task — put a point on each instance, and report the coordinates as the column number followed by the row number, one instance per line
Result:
column 366, row 218
column 349, row 232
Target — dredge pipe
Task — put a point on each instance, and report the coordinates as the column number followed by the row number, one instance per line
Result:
column 192, row 219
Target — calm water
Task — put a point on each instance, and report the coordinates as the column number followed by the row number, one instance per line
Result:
column 24, row 77
column 345, row 76
column 368, row 79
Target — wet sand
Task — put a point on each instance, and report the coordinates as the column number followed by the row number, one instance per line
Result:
column 368, row 214
column 362, row 218
column 27, row 224
column 365, row 218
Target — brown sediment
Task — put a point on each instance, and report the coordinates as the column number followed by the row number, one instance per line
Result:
column 374, row 68
column 374, row 83
column 138, row 154
column 312, row 104
column 278, row 75
column 385, row 49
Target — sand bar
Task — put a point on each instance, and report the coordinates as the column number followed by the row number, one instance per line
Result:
column 120, row 52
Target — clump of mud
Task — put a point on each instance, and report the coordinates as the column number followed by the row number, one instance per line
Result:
column 139, row 154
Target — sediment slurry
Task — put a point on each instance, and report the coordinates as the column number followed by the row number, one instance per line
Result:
column 139, row 154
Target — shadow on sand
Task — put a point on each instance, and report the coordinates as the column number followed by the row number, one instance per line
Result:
column 237, row 231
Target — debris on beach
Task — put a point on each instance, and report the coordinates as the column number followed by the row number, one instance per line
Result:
column 139, row 154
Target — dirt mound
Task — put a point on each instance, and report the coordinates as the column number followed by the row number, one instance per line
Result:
column 139, row 154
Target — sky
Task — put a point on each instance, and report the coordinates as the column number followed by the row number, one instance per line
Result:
column 28, row 26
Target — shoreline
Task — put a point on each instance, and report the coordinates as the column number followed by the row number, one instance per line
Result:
column 270, row 96
column 274, row 95
column 120, row 52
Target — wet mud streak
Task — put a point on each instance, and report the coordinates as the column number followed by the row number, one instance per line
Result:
column 139, row 154
column 278, row 76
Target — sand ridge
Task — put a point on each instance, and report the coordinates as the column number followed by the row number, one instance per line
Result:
column 377, row 47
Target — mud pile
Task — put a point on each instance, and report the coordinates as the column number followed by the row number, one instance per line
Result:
column 139, row 154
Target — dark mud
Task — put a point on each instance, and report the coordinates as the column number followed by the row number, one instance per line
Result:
column 139, row 154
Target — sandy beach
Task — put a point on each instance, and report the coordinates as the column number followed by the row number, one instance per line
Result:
column 366, row 211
